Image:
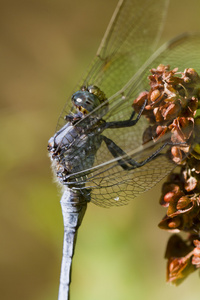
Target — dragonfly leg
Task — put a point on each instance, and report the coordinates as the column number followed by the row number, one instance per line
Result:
column 125, row 161
column 126, row 123
column 156, row 153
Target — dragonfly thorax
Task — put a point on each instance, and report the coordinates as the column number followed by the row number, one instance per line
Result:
column 87, row 100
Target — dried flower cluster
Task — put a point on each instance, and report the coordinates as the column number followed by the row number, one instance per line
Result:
column 172, row 108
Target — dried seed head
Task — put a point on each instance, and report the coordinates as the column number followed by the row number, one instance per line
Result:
column 172, row 104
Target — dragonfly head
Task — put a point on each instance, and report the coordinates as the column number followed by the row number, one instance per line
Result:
column 89, row 99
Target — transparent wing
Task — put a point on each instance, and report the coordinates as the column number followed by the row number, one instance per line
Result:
column 110, row 183
column 122, row 186
column 120, row 69
column 181, row 52
column 130, row 39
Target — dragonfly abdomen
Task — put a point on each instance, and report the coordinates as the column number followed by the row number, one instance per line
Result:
column 73, row 205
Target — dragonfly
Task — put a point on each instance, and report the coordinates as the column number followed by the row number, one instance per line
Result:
column 97, row 152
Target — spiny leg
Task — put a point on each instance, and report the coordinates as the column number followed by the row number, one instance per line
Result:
column 126, row 123
column 125, row 161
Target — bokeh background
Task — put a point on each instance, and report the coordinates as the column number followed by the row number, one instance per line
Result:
column 45, row 46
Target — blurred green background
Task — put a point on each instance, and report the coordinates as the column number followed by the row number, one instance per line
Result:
column 45, row 47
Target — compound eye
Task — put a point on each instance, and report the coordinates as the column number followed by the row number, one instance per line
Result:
column 79, row 100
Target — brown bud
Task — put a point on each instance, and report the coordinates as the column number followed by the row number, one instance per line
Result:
column 183, row 202
column 174, row 222
column 154, row 96
column 139, row 101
